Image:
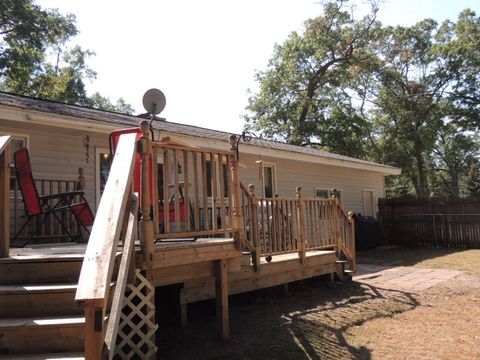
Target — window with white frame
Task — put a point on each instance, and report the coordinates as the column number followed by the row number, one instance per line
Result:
column 324, row 193
column 18, row 141
column 269, row 181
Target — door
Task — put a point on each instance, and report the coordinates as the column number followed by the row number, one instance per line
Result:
column 368, row 203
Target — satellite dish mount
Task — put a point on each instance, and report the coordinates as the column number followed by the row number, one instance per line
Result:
column 154, row 102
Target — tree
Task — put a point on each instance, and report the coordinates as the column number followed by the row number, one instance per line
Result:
column 305, row 96
column 98, row 101
column 455, row 153
column 409, row 97
column 458, row 44
column 420, row 93
column 26, row 32
column 405, row 96
column 35, row 61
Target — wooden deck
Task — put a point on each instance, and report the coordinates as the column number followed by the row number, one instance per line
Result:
column 282, row 269
column 70, row 288
column 191, row 262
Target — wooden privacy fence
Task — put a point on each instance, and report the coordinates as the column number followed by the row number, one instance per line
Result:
column 433, row 222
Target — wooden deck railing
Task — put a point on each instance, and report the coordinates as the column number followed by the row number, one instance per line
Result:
column 5, row 195
column 114, row 214
column 196, row 191
column 276, row 226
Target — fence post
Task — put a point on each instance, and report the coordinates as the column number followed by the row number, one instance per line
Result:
column 235, row 182
column 144, row 148
column 254, row 227
column 5, row 202
column 301, row 225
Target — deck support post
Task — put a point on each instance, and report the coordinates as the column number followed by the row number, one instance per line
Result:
column 94, row 332
column 254, row 228
column 300, row 225
column 146, row 228
column 5, row 201
column 183, row 307
column 221, row 293
column 237, row 218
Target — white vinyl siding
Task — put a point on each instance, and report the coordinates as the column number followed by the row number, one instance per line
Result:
column 291, row 174
column 59, row 152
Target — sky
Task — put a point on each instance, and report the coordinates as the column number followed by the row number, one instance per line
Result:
column 203, row 55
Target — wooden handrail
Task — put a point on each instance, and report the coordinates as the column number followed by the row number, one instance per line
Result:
column 5, row 195
column 97, row 268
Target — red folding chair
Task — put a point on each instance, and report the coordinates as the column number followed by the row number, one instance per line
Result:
column 36, row 205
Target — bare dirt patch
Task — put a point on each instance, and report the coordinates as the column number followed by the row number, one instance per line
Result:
column 319, row 320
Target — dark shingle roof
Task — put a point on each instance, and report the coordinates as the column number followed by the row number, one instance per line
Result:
column 113, row 118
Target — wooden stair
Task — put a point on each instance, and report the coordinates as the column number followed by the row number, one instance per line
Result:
column 38, row 315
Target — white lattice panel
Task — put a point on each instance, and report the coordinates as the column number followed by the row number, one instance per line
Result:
column 136, row 333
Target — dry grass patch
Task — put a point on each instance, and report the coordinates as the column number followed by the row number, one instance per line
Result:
column 453, row 259
column 444, row 328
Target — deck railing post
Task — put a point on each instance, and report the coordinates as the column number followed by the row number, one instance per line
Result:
column 235, row 186
column 94, row 331
column 351, row 220
column 254, row 227
column 300, row 225
column 336, row 232
column 80, row 183
column 144, row 148
column 5, row 201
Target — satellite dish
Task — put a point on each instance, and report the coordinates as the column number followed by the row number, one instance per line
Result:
column 154, row 101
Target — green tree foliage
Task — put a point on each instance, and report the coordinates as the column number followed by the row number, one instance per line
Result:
column 454, row 155
column 35, row 61
column 305, row 94
column 405, row 96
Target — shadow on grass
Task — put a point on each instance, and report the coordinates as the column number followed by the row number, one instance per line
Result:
column 310, row 323
column 402, row 256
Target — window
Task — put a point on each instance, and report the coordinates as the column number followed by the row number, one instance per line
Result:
column 17, row 142
column 368, row 203
column 323, row 193
column 269, row 181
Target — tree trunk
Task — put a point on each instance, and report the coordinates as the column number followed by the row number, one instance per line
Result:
column 422, row 190
column 455, row 186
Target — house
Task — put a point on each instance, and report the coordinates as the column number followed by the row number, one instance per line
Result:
column 242, row 215
column 64, row 138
